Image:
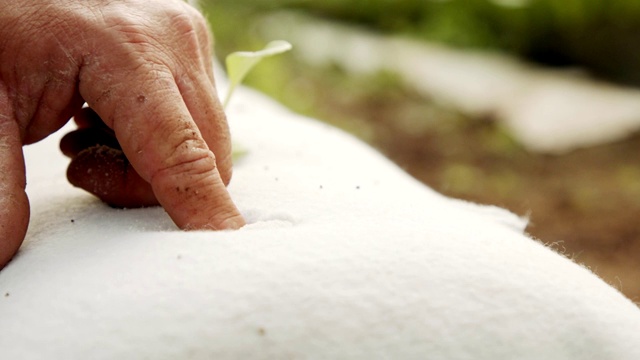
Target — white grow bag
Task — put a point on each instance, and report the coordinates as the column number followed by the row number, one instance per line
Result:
column 345, row 257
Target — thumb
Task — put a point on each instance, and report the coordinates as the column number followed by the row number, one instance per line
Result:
column 14, row 205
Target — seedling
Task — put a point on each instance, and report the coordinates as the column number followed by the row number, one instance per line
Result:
column 240, row 63
column 238, row 66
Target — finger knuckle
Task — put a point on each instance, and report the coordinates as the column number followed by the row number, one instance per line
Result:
column 188, row 162
column 191, row 28
column 187, row 151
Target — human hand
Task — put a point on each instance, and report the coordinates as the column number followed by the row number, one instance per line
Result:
column 145, row 68
column 99, row 166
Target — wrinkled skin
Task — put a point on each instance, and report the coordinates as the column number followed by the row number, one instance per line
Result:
column 145, row 68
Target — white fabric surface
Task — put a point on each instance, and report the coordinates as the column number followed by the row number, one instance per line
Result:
column 345, row 257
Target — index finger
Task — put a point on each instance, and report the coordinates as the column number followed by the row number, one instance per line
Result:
column 164, row 144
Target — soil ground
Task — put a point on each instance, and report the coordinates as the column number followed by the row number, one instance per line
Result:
column 585, row 204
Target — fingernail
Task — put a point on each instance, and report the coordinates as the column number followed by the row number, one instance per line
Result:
column 233, row 223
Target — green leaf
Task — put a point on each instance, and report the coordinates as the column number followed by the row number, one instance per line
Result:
column 240, row 63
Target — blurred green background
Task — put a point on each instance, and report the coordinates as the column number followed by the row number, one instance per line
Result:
column 601, row 35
